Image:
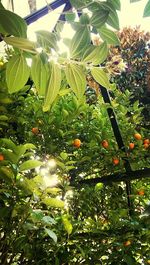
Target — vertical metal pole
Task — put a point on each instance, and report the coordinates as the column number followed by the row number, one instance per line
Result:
column 119, row 140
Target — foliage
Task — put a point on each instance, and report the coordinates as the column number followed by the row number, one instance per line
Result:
column 44, row 218
column 134, row 50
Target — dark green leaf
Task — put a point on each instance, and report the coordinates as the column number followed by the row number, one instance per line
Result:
column 99, row 18
column 79, row 42
column 12, row 24
column 116, row 4
column 70, row 16
column 113, row 19
column 98, row 54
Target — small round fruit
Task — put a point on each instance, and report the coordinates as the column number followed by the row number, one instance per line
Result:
column 77, row 143
column 115, row 161
column 131, row 146
column 1, row 157
column 141, row 192
column 148, row 261
column 127, row 243
column 137, row 136
column 146, row 146
column 105, row 143
column 146, row 141
column 35, row 130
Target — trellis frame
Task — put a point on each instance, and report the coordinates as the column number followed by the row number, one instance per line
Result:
column 128, row 175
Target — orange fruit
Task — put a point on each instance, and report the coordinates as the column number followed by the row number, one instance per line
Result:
column 77, row 143
column 146, row 141
column 127, row 243
column 131, row 145
column 105, row 144
column 35, row 130
column 137, row 136
column 141, row 192
column 146, row 145
column 1, row 157
column 115, row 161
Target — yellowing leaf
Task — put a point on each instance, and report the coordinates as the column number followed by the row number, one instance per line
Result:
column 100, row 76
column 52, row 202
column 39, row 75
column 76, row 79
column 53, row 86
column 17, row 73
column 21, row 43
column 67, row 225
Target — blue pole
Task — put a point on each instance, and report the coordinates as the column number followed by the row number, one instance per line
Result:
column 43, row 11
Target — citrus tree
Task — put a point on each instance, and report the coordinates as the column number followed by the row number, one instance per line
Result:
column 56, row 136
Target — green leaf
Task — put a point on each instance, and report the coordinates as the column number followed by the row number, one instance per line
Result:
column 84, row 19
column 21, row 43
column 113, row 20
column 100, row 76
column 17, row 73
column 109, row 36
column 51, row 234
column 12, row 24
column 39, row 74
column 80, row 41
column 98, row 55
column 7, row 143
column 77, row 3
column 67, row 225
column 76, row 79
column 53, row 86
column 70, row 16
column 116, row 4
column 9, row 155
column 99, row 18
column 132, row 1
column 47, row 39
column 48, row 220
column 147, row 10
column 30, row 164
column 52, row 202
column 6, row 173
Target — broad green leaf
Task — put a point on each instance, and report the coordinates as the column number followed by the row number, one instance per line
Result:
column 84, row 19
column 39, row 74
column 48, row 220
column 100, row 76
column 76, row 79
column 70, row 16
column 147, row 10
column 51, row 234
column 79, row 42
column 53, row 86
column 67, row 225
column 47, row 39
column 77, row 3
column 17, row 73
column 99, row 18
column 11, row 156
column 21, row 43
column 109, row 36
column 113, row 19
column 98, row 55
column 6, row 173
column 3, row 118
column 12, row 24
column 30, row 164
column 7, row 143
column 52, row 202
column 116, row 4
